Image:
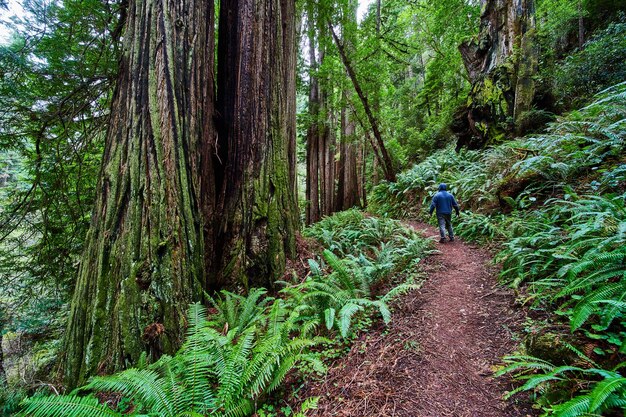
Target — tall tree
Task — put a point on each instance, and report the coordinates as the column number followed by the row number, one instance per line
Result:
column 256, row 102
column 348, row 179
column 347, row 173
column 320, row 138
column 313, row 212
column 503, row 85
column 385, row 159
column 189, row 198
column 143, row 261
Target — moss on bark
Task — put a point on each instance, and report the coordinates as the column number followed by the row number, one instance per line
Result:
column 501, row 62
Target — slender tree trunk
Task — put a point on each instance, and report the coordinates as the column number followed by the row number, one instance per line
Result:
column 321, row 156
column 257, row 194
column 363, row 176
column 312, row 137
column 144, row 254
column 3, row 375
column 378, row 7
column 312, row 178
column 341, row 172
column 581, row 25
column 387, row 166
column 348, row 185
column 329, row 167
column 320, row 139
column 290, row 41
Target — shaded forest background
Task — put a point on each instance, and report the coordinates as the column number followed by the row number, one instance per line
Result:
column 352, row 105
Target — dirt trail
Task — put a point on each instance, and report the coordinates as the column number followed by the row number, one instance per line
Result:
column 436, row 359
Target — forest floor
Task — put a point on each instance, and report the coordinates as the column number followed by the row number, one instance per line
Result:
column 437, row 356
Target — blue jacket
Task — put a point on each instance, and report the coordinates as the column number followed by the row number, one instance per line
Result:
column 443, row 201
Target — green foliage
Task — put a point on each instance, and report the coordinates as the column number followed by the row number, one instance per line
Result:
column 363, row 251
column 576, row 144
column 480, row 227
column 56, row 81
column 214, row 373
column 594, row 68
column 555, row 204
column 234, row 356
column 234, row 311
column 603, row 390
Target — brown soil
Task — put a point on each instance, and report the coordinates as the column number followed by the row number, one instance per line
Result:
column 437, row 357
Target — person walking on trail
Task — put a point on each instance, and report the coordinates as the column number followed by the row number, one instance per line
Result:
column 444, row 202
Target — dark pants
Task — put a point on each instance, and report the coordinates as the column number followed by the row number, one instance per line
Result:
column 445, row 223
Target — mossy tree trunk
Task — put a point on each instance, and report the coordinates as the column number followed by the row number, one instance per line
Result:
column 256, row 195
column 181, row 209
column 144, row 254
column 348, row 180
column 501, row 61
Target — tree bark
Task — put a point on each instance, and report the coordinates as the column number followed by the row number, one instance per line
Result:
column 144, row 255
column 312, row 137
column 501, row 61
column 581, row 25
column 327, row 153
column 181, row 209
column 348, row 184
column 321, row 144
column 257, row 118
column 388, row 170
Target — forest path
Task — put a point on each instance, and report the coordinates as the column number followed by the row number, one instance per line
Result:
column 436, row 358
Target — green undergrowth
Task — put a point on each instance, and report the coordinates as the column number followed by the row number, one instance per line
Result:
column 240, row 349
column 553, row 204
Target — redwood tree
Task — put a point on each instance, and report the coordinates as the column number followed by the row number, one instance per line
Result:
column 256, row 102
column 320, row 138
column 181, row 209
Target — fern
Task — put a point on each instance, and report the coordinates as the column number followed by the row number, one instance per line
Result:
column 213, row 373
column 66, row 406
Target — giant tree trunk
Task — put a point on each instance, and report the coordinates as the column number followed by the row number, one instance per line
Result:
column 256, row 69
column 501, row 61
column 144, row 254
column 179, row 208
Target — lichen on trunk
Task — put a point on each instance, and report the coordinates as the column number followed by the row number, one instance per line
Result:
column 180, row 209
column 143, row 261
column 501, row 62
column 257, row 194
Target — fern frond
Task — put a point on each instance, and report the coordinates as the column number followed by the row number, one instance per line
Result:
column 144, row 386
column 345, row 317
column 603, row 390
column 66, row 406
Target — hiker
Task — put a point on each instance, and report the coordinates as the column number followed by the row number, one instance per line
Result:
column 443, row 201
